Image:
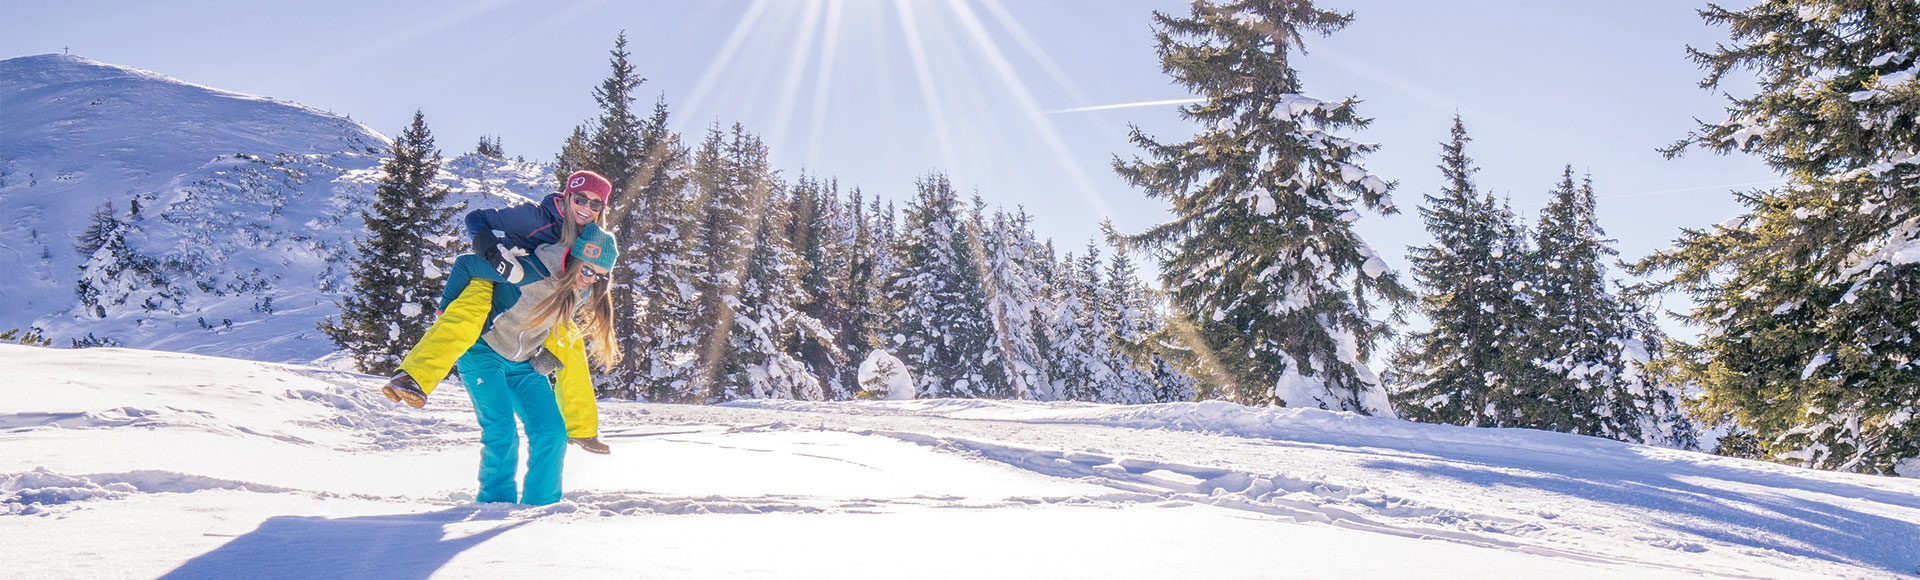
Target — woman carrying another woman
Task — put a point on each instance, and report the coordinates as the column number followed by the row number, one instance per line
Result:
column 552, row 320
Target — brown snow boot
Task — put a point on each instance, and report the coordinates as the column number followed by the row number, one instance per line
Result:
column 402, row 389
column 591, row 445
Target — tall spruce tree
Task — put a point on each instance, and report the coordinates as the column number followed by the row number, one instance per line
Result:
column 1469, row 368
column 616, row 146
column 766, row 319
column 1808, row 298
column 1579, row 330
column 655, row 232
column 1261, row 252
column 862, row 331
column 728, row 167
column 628, row 151
column 884, row 316
column 1130, row 321
column 942, row 330
column 1073, row 365
column 410, row 244
column 820, row 237
column 574, row 155
column 1016, row 304
column 1091, row 339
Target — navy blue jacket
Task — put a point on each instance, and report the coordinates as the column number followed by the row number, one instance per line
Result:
column 524, row 226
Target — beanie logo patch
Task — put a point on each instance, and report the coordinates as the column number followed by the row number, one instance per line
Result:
column 577, row 181
column 590, row 251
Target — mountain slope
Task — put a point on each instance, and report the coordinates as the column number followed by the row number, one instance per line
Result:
column 241, row 209
column 124, row 463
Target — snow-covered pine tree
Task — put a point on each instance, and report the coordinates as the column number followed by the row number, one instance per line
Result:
column 1470, row 367
column 652, row 281
column 816, row 231
column 114, row 273
column 616, row 145
column 574, row 155
column 1170, row 364
column 1808, row 298
column 1576, row 317
column 105, row 231
column 884, row 314
column 1062, row 341
column 410, row 244
column 942, row 330
column 490, row 147
column 1079, row 333
column 1583, row 366
column 727, row 168
column 628, row 151
column 1129, row 322
column 766, row 319
column 1016, row 304
column 861, row 332
column 1261, row 252
column 1654, row 404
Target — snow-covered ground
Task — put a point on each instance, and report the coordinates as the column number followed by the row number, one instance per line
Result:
column 136, row 464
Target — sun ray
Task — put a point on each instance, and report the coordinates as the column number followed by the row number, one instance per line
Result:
column 823, row 82
column 723, row 60
column 796, row 65
column 923, row 72
column 1029, row 107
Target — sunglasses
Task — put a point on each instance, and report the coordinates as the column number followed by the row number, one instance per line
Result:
column 589, row 201
column 590, row 273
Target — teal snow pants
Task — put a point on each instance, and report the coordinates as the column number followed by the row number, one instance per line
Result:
column 502, row 390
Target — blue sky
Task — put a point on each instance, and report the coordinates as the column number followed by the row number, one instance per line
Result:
column 879, row 92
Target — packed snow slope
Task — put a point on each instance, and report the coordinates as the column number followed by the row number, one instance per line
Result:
column 118, row 463
column 247, row 208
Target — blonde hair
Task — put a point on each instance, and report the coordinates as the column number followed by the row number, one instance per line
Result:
column 595, row 323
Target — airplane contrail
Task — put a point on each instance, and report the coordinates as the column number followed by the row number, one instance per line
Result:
column 1126, row 106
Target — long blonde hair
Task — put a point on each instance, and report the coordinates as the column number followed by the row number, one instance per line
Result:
column 595, row 324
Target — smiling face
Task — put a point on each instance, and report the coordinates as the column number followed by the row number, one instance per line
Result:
column 588, row 275
column 583, row 208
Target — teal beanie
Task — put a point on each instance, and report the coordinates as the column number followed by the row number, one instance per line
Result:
column 597, row 246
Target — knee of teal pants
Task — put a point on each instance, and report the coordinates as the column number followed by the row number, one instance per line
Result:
column 502, row 390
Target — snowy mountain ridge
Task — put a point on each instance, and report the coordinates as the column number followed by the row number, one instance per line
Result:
column 141, row 464
column 237, row 211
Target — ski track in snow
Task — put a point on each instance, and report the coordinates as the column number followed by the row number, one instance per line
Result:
column 107, row 431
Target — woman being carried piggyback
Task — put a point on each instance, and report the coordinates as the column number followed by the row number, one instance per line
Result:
column 499, row 237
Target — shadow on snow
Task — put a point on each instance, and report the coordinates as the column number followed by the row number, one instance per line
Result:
column 387, row 546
